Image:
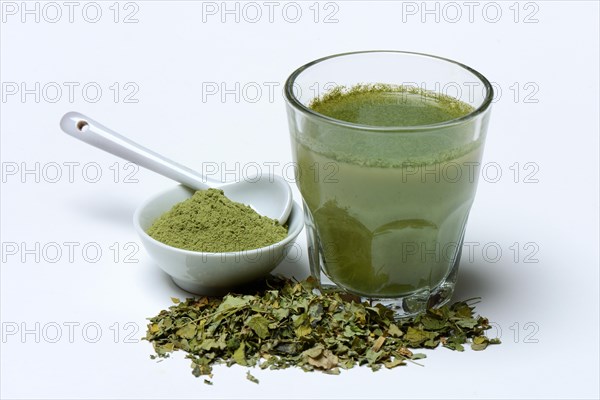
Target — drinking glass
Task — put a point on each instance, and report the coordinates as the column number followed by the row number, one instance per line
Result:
column 386, row 206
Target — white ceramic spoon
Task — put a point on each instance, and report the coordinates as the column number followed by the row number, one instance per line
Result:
column 269, row 195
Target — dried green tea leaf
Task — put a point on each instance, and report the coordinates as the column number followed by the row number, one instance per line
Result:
column 251, row 378
column 200, row 367
column 325, row 360
column 479, row 343
column 462, row 310
column 394, row 363
column 417, row 336
column 187, row 331
column 394, row 331
column 332, row 371
column 403, row 351
column 432, row 323
column 314, row 352
column 372, row 356
column 239, row 356
column 163, row 349
column 303, row 331
column 468, row 323
column 281, row 313
column 378, row 343
column 212, row 344
column 315, row 311
column 454, row 345
column 283, row 323
column 233, row 302
column 260, row 325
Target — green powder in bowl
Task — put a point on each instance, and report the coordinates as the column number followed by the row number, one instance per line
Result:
column 210, row 222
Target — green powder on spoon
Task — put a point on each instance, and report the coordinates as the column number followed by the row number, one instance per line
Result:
column 210, row 222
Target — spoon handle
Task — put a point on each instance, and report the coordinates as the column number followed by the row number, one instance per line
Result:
column 91, row 132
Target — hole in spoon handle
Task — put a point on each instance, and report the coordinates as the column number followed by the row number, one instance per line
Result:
column 82, row 125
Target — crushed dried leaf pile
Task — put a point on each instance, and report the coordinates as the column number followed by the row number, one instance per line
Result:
column 292, row 324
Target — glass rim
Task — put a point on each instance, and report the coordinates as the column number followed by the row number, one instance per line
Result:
column 293, row 100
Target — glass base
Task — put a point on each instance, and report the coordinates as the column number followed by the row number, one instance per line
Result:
column 404, row 306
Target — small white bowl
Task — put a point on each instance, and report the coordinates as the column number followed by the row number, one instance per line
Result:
column 203, row 273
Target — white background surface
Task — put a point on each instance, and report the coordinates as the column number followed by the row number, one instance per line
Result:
column 546, row 312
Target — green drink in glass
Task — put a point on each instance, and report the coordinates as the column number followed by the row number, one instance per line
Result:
column 388, row 170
